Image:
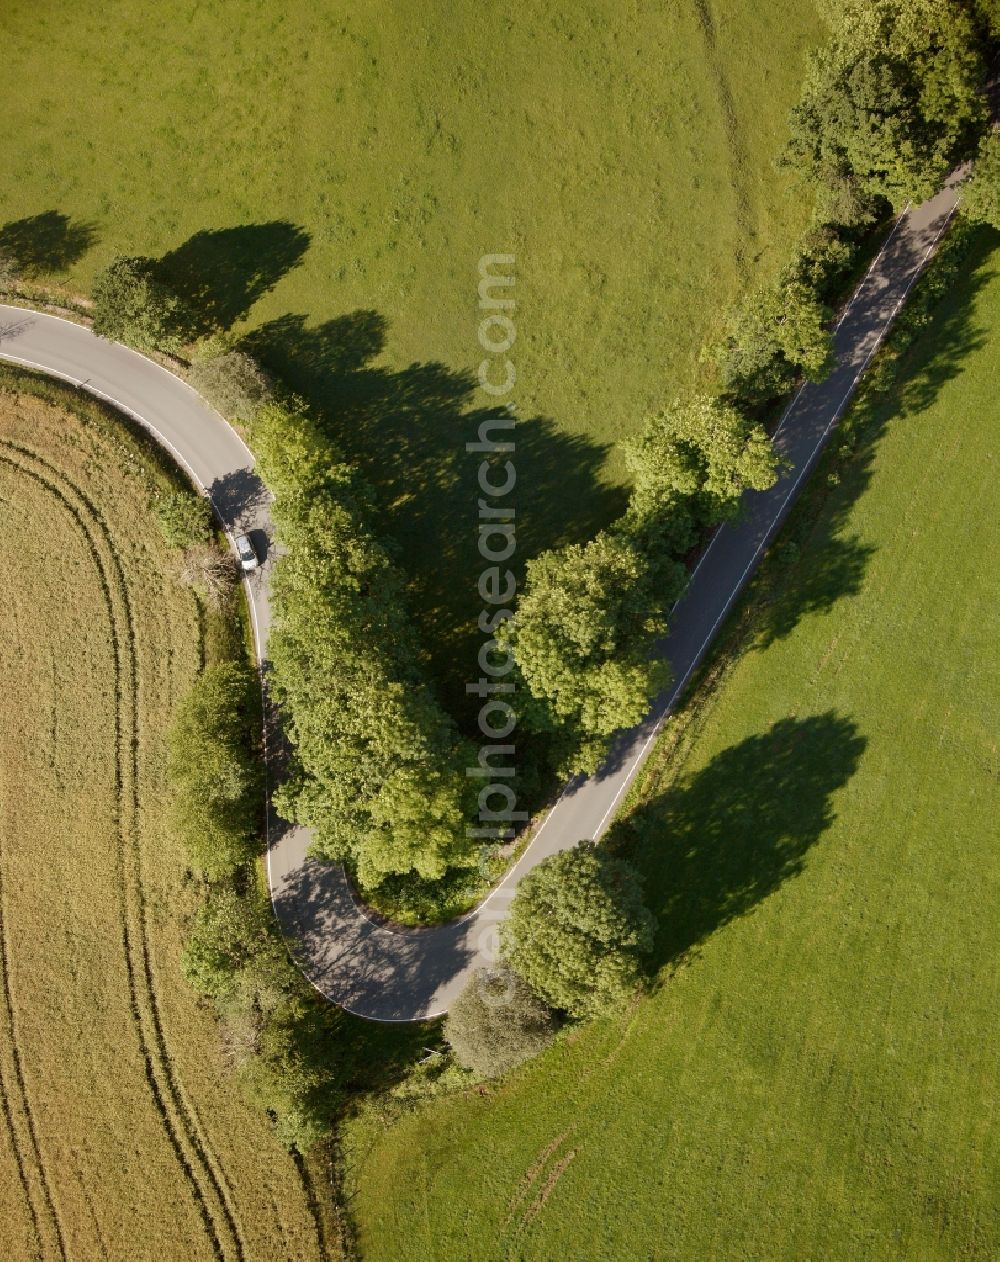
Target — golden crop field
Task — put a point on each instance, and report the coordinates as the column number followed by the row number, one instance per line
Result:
column 122, row 1132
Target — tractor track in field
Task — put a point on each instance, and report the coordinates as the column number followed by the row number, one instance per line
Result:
column 201, row 1167
column 19, row 1088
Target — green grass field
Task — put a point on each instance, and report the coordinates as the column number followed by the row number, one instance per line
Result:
column 815, row 1075
column 336, row 177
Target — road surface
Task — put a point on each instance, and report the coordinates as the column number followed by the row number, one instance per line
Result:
column 407, row 975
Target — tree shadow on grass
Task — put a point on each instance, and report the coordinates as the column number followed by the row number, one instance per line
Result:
column 837, row 561
column 407, row 430
column 46, row 243
column 220, row 273
column 718, row 842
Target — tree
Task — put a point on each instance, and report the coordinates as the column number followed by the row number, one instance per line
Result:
column 215, row 770
column 692, row 464
column 185, row 518
column 981, row 193
column 577, row 930
column 774, row 335
column 497, row 1022
column 582, row 635
column 132, row 306
column 892, row 101
column 989, row 14
column 233, row 382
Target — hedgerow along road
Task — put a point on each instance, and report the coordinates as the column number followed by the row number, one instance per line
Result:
column 391, row 974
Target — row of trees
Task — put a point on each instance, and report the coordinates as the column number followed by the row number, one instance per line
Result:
column 589, row 615
column 281, row 1038
column 284, row 1041
column 215, row 769
column 378, row 768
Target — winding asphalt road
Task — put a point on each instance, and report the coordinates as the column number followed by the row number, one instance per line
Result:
column 409, row 975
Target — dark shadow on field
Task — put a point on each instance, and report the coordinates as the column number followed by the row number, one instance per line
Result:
column 46, row 243
column 407, row 430
column 932, row 350
column 220, row 273
column 717, row 843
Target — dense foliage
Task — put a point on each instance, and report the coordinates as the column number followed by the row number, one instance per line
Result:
column 497, row 1022
column 577, row 930
column 378, row 768
column 586, row 623
column 892, row 101
column 232, row 382
column 281, row 1039
column 690, row 467
column 981, row 193
column 778, row 333
column 215, row 770
column 582, row 634
column 131, row 305
column 185, row 518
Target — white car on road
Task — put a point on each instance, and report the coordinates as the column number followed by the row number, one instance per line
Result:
column 247, row 553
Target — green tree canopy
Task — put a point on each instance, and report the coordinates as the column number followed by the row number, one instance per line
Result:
column 497, row 1022
column 378, row 768
column 692, row 463
column 981, row 193
column 577, row 930
column 893, row 100
column 773, row 336
column 581, row 636
column 216, row 772
column 132, row 306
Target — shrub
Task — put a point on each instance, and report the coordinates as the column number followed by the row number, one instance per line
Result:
column 233, row 382
column 215, row 770
column 577, row 930
column 209, row 571
column 132, row 306
column 981, row 193
column 185, row 518
column 497, row 1022
column 10, row 272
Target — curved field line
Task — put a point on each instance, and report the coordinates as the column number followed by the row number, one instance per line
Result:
column 180, row 1120
column 732, row 125
column 312, row 1202
column 21, row 1089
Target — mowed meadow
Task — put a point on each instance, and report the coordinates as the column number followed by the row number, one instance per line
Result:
column 122, row 1131
column 815, row 1074
column 327, row 177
